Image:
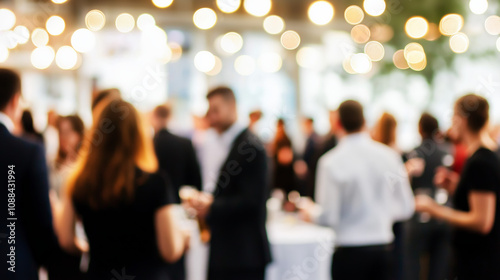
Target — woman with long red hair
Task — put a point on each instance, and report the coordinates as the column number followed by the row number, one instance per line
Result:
column 124, row 205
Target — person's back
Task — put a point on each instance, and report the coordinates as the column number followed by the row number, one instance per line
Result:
column 366, row 175
column 29, row 239
column 123, row 236
column 362, row 188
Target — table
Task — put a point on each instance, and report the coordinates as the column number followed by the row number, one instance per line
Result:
column 300, row 251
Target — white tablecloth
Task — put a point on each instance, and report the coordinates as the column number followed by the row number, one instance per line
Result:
column 300, row 251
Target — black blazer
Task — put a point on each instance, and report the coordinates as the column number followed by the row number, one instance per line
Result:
column 35, row 239
column 237, row 217
column 176, row 158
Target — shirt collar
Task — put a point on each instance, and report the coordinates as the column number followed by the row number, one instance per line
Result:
column 228, row 136
column 358, row 136
column 5, row 120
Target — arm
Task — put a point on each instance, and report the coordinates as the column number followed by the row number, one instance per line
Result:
column 171, row 241
column 65, row 219
column 404, row 202
column 39, row 221
column 328, row 196
column 480, row 218
column 252, row 190
column 193, row 174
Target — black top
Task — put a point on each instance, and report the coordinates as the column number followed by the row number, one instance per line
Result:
column 124, row 236
column 433, row 155
column 237, row 217
column 481, row 173
column 176, row 157
column 35, row 240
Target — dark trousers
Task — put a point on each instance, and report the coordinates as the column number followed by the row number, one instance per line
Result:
column 228, row 274
column 432, row 240
column 361, row 263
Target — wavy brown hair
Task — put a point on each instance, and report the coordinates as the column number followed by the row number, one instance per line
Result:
column 115, row 148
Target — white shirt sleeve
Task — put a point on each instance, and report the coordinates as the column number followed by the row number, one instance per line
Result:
column 404, row 201
column 328, row 195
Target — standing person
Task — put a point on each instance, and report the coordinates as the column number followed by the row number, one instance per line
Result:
column 28, row 190
column 239, row 248
column 363, row 189
column 28, row 128
column 176, row 155
column 177, row 159
column 125, row 207
column 71, row 132
column 476, row 213
column 284, row 176
column 429, row 238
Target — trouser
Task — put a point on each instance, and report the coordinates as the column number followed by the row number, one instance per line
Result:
column 431, row 239
column 244, row 274
column 361, row 263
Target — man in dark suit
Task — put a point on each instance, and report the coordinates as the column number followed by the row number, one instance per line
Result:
column 176, row 155
column 27, row 238
column 239, row 248
column 177, row 159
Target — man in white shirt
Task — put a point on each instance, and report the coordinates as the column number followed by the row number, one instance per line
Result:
column 362, row 188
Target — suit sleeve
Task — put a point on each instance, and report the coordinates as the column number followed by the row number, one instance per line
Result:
column 40, row 230
column 252, row 184
column 193, row 174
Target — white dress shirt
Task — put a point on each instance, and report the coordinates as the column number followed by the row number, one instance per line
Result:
column 214, row 151
column 363, row 188
column 5, row 120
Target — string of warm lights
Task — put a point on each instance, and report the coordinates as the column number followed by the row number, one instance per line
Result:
column 369, row 37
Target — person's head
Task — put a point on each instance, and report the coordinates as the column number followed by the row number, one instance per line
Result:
column 428, row 126
column 112, row 93
column 471, row 115
column 351, row 116
column 115, row 148
column 255, row 116
column 27, row 122
column 385, row 130
column 308, row 126
column 10, row 92
column 333, row 117
column 71, row 131
column 222, row 111
column 161, row 115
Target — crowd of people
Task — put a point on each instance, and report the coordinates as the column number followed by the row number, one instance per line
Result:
column 101, row 202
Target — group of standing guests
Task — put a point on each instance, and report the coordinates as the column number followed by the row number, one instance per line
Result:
column 110, row 192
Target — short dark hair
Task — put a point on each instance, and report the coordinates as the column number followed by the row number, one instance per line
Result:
column 113, row 93
column 428, row 125
column 10, row 84
column 223, row 91
column 162, row 111
column 475, row 109
column 351, row 115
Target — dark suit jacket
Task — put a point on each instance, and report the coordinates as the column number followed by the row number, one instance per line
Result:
column 35, row 240
column 237, row 217
column 176, row 157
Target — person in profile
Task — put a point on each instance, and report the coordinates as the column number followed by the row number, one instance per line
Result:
column 177, row 160
column 476, row 212
column 363, row 188
column 26, row 187
column 236, row 215
column 124, row 204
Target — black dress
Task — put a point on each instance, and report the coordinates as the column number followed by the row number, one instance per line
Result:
column 122, row 239
column 478, row 255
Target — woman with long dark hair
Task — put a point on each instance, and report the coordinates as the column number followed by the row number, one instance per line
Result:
column 125, row 206
column 476, row 212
